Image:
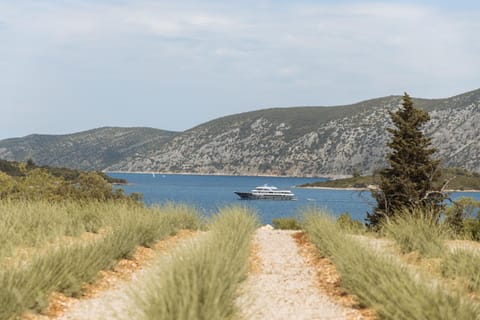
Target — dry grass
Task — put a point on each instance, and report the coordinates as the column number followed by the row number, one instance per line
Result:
column 112, row 278
column 26, row 285
column 382, row 283
column 200, row 280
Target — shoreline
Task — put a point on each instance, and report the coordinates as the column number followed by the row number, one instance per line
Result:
column 331, row 177
column 335, row 188
column 327, row 176
column 368, row 189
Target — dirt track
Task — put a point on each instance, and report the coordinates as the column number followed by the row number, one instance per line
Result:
column 284, row 287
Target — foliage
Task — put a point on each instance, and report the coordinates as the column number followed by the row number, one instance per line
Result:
column 416, row 230
column 407, row 182
column 19, row 169
column 463, row 217
column 352, row 182
column 286, row 224
column 382, row 283
column 200, row 280
column 346, row 222
column 40, row 184
column 457, row 178
column 10, row 168
column 471, row 229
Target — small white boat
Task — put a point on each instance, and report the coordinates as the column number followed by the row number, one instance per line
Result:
column 266, row 193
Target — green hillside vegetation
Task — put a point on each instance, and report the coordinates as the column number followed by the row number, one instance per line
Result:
column 19, row 169
column 457, row 178
column 304, row 119
column 352, row 182
column 300, row 119
column 94, row 149
column 27, row 181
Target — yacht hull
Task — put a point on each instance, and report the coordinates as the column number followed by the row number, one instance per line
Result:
column 252, row 196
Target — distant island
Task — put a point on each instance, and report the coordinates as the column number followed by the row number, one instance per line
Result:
column 458, row 180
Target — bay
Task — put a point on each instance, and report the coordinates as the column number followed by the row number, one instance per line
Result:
column 208, row 193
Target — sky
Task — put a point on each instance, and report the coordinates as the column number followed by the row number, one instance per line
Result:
column 73, row 65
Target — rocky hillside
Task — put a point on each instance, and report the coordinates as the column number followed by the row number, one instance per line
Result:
column 310, row 141
column 89, row 150
column 300, row 141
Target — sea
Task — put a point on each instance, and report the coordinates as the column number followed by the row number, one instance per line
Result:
column 209, row 193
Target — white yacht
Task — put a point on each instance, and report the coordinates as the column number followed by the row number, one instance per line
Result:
column 266, row 193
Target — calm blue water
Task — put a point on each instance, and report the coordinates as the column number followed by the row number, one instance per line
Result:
column 208, row 193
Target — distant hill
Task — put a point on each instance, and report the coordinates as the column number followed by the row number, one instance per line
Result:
column 89, row 150
column 296, row 141
column 313, row 141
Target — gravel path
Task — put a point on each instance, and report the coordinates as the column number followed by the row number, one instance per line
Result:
column 285, row 286
column 112, row 304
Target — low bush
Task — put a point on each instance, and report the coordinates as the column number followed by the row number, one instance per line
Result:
column 380, row 282
column 200, row 279
column 42, row 184
column 462, row 217
column 286, row 224
column 346, row 222
column 417, row 231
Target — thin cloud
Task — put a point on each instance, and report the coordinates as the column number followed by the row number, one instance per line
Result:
column 201, row 59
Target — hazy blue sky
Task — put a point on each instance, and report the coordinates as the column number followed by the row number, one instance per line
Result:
column 73, row 65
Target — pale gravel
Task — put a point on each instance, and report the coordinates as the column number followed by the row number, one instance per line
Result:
column 285, row 287
column 116, row 303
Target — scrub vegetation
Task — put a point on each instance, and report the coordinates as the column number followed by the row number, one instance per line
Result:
column 286, row 224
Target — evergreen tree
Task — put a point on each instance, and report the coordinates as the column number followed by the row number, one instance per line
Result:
column 408, row 181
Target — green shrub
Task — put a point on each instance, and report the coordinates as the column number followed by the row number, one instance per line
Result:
column 286, row 224
column 463, row 218
column 346, row 222
column 417, row 231
column 43, row 184
column 471, row 229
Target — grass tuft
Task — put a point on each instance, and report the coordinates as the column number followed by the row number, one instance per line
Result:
column 417, row 231
column 286, row 224
column 200, row 280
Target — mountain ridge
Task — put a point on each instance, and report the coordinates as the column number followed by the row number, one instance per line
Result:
column 92, row 149
column 294, row 141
